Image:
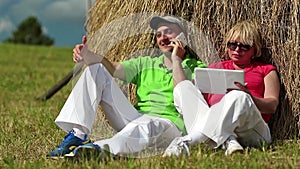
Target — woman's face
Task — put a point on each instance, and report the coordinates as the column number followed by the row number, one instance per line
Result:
column 239, row 52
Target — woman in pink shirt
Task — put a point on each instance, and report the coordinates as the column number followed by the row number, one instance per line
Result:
column 239, row 118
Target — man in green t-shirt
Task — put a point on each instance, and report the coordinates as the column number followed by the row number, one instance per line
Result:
column 152, row 123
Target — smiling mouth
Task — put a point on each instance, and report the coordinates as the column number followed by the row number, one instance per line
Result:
column 165, row 43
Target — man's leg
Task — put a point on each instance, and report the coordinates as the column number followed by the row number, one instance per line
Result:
column 78, row 114
column 94, row 85
column 144, row 136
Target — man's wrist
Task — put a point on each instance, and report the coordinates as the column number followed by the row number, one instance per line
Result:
column 176, row 60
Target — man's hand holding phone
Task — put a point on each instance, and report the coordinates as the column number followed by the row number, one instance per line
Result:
column 178, row 43
column 181, row 37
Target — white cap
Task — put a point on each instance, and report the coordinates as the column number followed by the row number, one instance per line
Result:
column 156, row 20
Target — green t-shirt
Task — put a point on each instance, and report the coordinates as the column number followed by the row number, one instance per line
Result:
column 155, row 86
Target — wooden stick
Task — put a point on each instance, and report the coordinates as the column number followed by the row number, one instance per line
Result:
column 62, row 82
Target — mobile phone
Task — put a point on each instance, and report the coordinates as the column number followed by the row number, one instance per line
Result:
column 182, row 38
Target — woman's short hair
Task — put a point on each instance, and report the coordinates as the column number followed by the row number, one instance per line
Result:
column 248, row 33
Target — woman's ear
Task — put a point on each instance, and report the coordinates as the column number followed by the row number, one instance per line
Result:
column 255, row 53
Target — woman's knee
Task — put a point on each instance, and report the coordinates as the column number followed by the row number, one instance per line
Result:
column 238, row 95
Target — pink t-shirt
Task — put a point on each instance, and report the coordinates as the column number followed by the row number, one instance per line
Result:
column 254, row 77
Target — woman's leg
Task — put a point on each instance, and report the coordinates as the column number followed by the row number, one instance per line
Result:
column 236, row 115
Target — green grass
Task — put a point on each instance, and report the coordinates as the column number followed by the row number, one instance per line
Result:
column 28, row 131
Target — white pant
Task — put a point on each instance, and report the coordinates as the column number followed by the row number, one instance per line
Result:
column 136, row 131
column 236, row 114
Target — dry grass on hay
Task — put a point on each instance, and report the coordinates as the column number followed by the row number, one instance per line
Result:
column 279, row 24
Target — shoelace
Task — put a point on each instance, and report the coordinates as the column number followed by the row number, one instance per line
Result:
column 183, row 143
column 229, row 141
column 66, row 139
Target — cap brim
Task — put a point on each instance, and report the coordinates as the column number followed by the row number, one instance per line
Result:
column 155, row 21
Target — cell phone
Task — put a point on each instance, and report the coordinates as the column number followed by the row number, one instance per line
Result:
column 182, row 38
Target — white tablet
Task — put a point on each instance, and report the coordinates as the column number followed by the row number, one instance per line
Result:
column 217, row 81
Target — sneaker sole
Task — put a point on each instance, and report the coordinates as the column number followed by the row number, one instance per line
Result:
column 55, row 157
column 84, row 153
column 71, row 148
column 234, row 150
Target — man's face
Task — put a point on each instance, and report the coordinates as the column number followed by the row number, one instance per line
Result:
column 164, row 33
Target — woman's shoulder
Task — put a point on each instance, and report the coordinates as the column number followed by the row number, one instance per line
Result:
column 227, row 64
column 263, row 67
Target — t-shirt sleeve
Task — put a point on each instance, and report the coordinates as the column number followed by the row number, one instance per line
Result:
column 213, row 65
column 268, row 68
column 201, row 64
column 198, row 64
column 132, row 68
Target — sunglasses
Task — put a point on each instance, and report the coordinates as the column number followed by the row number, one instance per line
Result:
column 234, row 45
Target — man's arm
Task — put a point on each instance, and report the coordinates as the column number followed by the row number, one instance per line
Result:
column 114, row 68
column 178, row 74
column 177, row 56
column 81, row 53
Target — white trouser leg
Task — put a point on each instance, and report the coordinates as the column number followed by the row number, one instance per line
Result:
column 149, row 133
column 94, row 85
column 190, row 103
column 235, row 114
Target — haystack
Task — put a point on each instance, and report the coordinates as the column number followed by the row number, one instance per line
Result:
column 278, row 20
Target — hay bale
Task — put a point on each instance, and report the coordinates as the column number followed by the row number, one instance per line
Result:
column 279, row 24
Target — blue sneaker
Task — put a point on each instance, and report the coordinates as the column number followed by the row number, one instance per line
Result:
column 69, row 143
column 89, row 150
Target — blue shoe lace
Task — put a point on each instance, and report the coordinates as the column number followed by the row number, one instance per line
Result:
column 69, row 138
column 69, row 143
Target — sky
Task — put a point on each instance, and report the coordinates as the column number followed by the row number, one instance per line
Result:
column 62, row 20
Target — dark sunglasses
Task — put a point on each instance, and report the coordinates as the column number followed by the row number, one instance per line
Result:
column 234, row 45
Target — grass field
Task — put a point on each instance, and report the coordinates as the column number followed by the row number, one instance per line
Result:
column 28, row 131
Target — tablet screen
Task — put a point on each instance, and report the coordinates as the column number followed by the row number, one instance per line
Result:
column 217, row 81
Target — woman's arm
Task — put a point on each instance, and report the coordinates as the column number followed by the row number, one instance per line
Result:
column 268, row 104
